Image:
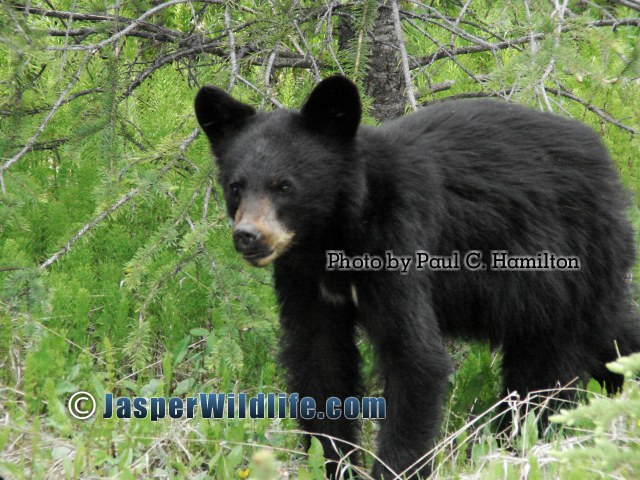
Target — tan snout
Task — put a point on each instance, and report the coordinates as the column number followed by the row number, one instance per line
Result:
column 257, row 233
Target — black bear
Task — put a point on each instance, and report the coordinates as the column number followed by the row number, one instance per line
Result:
column 511, row 222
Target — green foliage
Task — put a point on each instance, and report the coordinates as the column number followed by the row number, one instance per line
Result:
column 612, row 448
column 354, row 57
column 475, row 387
column 150, row 298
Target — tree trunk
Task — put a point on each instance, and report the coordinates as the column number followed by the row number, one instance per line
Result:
column 384, row 81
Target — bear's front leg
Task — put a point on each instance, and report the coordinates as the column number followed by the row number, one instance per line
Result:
column 321, row 358
column 415, row 366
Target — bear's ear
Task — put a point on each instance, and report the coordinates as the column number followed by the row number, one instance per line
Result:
column 333, row 108
column 220, row 115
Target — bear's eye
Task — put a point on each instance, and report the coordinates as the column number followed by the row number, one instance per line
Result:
column 234, row 188
column 285, row 187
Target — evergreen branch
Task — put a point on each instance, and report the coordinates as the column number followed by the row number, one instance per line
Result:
column 105, row 213
column 478, row 26
column 362, row 31
column 163, row 236
column 183, row 262
column 45, row 122
column 198, row 44
column 17, row 25
column 89, row 226
column 140, row 29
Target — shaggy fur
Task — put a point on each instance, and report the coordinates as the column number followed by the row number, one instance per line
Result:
column 457, row 175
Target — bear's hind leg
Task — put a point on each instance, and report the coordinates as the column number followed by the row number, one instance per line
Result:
column 622, row 338
column 543, row 373
column 415, row 367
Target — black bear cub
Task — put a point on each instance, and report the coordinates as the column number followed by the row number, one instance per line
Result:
column 511, row 223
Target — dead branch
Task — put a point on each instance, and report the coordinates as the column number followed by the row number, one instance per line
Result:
column 158, row 33
column 70, row 98
column 232, row 46
column 557, row 92
column 510, row 43
column 403, row 55
column 632, row 4
column 563, row 92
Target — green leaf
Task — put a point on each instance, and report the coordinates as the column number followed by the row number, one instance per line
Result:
column 199, row 332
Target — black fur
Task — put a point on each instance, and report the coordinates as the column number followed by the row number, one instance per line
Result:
column 457, row 175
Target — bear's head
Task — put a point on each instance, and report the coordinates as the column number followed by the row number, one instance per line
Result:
column 284, row 172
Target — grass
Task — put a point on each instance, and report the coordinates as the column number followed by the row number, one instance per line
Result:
column 39, row 439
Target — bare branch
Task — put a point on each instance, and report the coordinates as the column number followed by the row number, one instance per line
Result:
column 448, row 25
column 533, row 45
column 560, row 10
column 403, row 55
column 67, row 100
column 510, row 43
column 252, row 86
column 441, row 87
column 316, row 70
column 557, row 92
column 159, row 33
column 132, row 25
column 212, row 47
column 597, row 110
column 49, row 144
column 232, row 46
column 632, row 4
column 453, row 58
column 269, row 67
column 207, row 199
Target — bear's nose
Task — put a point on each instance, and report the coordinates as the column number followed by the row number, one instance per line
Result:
column 245, row 238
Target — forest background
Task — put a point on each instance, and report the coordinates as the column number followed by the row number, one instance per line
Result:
column 117, row 272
